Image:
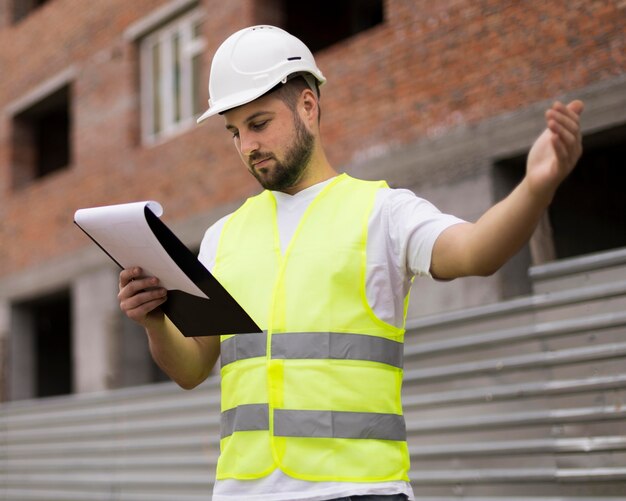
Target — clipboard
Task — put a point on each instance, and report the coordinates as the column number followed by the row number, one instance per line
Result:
column 133, row 235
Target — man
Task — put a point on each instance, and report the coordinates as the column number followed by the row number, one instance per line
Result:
column 323, row 263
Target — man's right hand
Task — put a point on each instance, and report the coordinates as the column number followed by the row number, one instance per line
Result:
column 140, row 296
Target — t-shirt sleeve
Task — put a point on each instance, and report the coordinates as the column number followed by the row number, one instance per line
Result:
column 210, row 241
column 414, row 225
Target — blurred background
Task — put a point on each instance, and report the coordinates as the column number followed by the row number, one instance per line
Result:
column 515, row 385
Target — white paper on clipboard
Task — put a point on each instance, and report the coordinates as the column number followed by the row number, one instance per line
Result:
column 133, row 235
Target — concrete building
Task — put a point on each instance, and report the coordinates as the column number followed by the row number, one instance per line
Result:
column 98, row 103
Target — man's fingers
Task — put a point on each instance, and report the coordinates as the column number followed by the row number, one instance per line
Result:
column 570, row 138
column 573, row 109
column 567, row 145
column 563, row 154
column 141, row 304
column 139, row 295
column 577, row 106
column 145, row 302
column 128, row 275
column 565, row 117
column 564, row 123
column 132, row 281
column 132, row 287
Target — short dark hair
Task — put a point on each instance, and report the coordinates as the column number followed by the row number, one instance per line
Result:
column 290, row 92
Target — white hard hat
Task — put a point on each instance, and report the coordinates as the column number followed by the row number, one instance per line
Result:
column 251, row 62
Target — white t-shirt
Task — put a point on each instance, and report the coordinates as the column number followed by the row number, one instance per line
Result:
column 401, row 233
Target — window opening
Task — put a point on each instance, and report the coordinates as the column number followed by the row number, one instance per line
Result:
column 42, row 138
column 47, row 329
column 324, row 24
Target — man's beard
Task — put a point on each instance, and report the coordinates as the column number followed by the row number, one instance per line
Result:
column 287, row 173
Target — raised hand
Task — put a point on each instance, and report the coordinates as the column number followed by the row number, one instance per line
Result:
column 556, row 151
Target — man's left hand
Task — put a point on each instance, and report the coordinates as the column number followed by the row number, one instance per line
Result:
column 556, row 151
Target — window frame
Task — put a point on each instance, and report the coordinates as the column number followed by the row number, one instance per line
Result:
column 189, row 48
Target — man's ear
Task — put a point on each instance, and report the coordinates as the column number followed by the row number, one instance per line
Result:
column 308, row 107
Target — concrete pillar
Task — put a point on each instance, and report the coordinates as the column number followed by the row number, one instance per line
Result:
column 134, row 362
column 5, row 329
column 21, row 351
column 95, row 317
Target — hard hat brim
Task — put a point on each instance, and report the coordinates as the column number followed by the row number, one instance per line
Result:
column 237, row 100
column 241, row 98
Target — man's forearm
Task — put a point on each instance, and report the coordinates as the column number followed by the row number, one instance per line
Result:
column 481, row 248
column 504, row 229
column 187, row 361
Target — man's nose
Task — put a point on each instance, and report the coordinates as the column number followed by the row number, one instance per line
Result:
column 247, row 144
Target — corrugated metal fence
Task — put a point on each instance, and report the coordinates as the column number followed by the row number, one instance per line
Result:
column 524, row 399
column 521, row 400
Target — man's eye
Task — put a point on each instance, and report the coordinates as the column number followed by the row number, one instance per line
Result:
column 235, row 134
column 260, row 125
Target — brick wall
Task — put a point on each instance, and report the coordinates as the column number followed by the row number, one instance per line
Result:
column 431, row 66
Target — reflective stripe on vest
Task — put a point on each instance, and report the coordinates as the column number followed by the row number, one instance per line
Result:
column 314, row 424
column 247, row 417
column 313, row 345
column 243, row 346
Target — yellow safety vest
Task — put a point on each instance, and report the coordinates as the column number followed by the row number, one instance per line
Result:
column 317, row 394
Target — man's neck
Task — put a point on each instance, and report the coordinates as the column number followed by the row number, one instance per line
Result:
column 318, row 170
